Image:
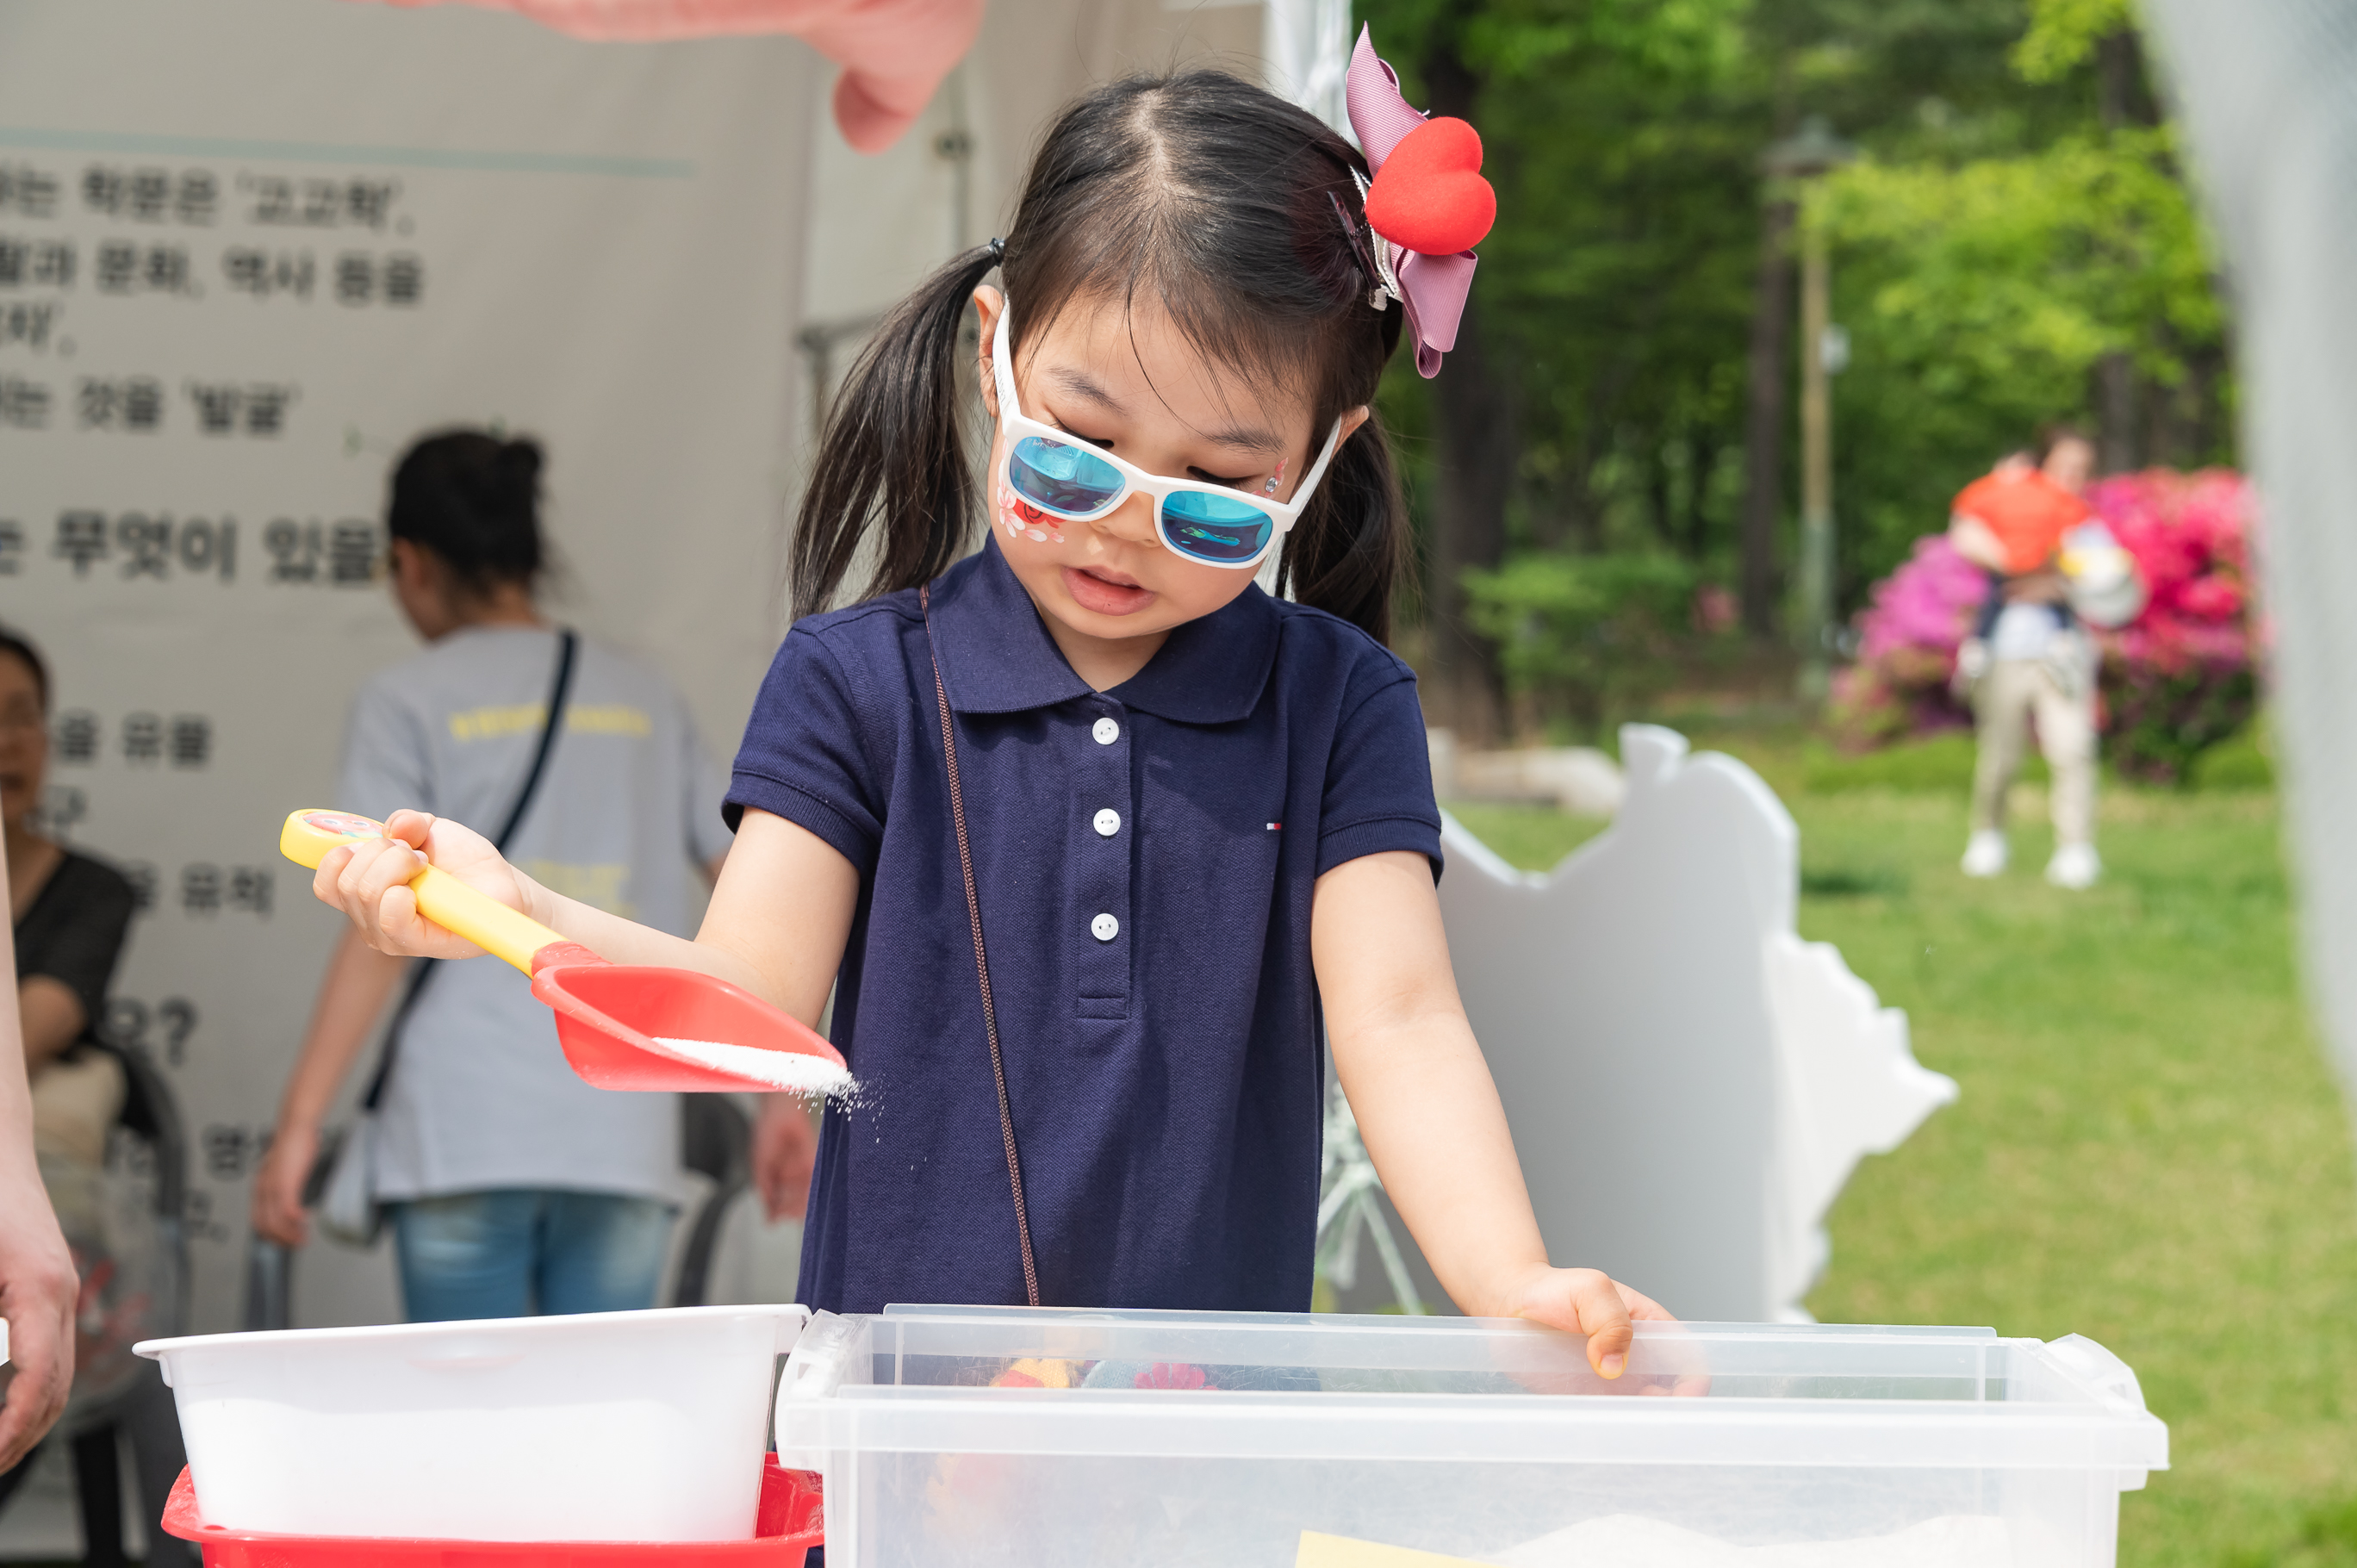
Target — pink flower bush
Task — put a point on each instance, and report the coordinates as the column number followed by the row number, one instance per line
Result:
column 2191, row 536
column 2178, row 677
column 1908, row 639
column 2182, row 676
column 1928, row 604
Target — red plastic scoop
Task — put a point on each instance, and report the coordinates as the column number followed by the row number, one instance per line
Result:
column 622, row 1025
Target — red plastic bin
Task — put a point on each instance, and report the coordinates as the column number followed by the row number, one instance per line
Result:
column 788, row 1526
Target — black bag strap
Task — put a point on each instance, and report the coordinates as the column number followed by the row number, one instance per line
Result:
column 981, row 960
column 567, row 642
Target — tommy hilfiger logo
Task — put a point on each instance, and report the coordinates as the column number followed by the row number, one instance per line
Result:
column 1273, row 827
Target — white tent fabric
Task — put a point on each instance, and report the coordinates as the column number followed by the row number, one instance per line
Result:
column 2268, row 90
column 1307, row 46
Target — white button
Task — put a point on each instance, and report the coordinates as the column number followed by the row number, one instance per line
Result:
column 1108, row 823
column 1106, row 732
column 1104, row 928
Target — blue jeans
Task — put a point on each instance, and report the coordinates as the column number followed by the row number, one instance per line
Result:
column 522, row 1251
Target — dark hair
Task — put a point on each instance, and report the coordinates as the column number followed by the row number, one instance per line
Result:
column 10, row 642
column 474, row 500
column 1226, row 207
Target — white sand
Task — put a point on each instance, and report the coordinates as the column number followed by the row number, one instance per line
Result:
column 790, row 1070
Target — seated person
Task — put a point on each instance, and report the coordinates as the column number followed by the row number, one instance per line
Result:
column 71, row 914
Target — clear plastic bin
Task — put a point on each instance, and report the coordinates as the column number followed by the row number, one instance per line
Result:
column 956, row 1435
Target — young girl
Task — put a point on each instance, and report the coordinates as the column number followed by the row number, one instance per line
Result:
column 1199, row 819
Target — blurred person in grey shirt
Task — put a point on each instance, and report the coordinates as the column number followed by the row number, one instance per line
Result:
column 510, row 1186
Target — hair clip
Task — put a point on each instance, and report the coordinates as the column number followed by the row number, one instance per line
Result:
column 1386, row 268
column 1379, row 297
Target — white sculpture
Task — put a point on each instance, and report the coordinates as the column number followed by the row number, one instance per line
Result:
column 1688, row 1083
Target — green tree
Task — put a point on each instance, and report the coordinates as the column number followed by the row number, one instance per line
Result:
column 1570, row 96
column 2015, row 233
column 1986, row 294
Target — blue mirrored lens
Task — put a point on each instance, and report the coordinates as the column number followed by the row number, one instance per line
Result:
column 1217, row 528
column 1070, row 481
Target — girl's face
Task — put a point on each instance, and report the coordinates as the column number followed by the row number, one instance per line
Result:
column 1129, row 381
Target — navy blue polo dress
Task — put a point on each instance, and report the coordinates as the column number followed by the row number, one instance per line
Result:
column 1145, row 858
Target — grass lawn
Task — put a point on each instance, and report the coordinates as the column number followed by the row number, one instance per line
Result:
column 2149, row 1149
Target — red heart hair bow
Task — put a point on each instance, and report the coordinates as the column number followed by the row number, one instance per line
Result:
column 1427, row 209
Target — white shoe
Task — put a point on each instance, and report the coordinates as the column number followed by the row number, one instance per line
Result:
column 1985, row 855
column 2074, row 865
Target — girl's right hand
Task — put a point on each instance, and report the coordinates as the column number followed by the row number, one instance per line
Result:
column 368, row 881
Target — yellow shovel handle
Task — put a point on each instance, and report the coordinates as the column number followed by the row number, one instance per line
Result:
column 441, row 897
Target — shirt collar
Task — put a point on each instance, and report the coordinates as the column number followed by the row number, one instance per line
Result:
column 997, row 657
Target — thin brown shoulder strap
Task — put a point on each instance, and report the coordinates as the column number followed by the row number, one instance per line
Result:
column 981, row 960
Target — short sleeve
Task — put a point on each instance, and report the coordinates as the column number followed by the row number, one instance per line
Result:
column 703, row 789
column 385, row 757
column 1378, row 782
column 79, row 948
column 803, row 759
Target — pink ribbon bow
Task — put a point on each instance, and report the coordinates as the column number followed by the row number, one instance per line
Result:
column 1432, row 288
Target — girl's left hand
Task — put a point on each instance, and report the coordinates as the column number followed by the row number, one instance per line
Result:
column 1586, row 1301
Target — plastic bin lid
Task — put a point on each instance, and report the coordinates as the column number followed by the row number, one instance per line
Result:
column 919, row 1379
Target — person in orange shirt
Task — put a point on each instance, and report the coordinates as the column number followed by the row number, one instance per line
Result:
column 2028, row 657
column 2012, row 519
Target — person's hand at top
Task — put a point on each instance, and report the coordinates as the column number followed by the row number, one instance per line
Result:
column 894, row 53
column 368, row 881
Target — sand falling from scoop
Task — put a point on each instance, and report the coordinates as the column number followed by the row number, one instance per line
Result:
column 792, row 1072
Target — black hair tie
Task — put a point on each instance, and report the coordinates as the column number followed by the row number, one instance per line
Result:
column 998, row 250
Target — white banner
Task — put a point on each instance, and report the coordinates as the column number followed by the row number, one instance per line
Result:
column 248, row 250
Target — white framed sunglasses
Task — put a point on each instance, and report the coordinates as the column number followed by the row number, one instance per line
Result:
column 1054, row 472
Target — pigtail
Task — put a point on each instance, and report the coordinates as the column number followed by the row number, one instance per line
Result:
column 1349, row 551
column 893, row 459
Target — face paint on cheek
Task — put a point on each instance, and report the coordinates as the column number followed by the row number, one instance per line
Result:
column 1025, row 522
column 1274, row 479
